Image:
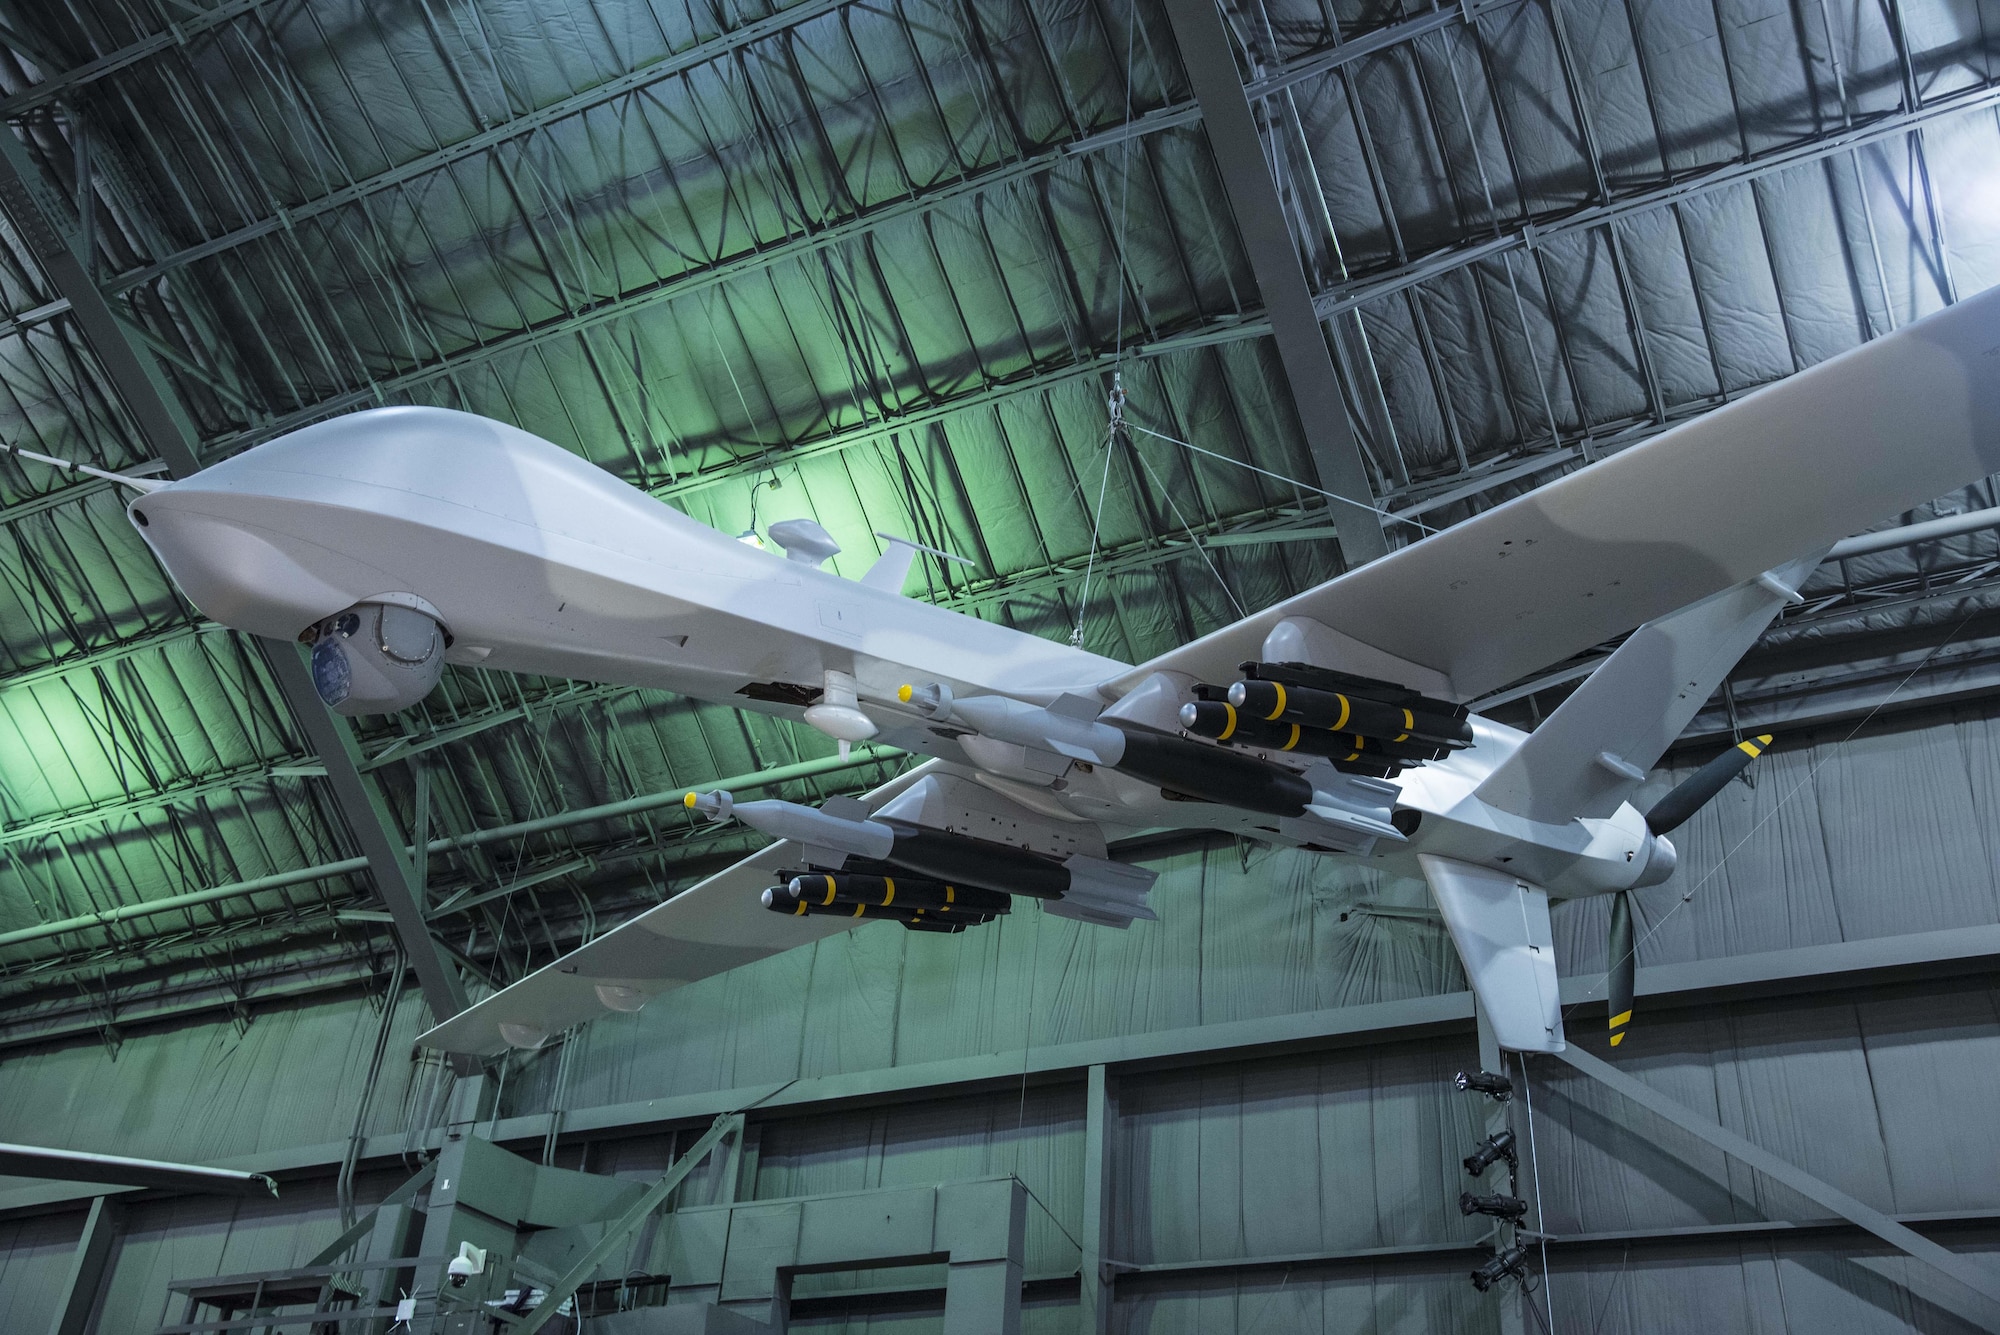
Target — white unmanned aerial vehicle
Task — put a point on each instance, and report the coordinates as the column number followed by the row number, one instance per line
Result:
column 401, row 539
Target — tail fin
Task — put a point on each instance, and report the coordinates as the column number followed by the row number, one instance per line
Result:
column 1591, row 754
column 1500, row 925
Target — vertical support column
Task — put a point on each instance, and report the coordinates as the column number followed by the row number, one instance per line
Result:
column 87, row 1268
column 1209, row 58
column 1100, row 1121
column 41, row 216
column 1498, row 1118
column 983, row 1226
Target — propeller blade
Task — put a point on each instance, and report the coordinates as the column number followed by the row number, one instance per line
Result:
column 1696, row 791
column 1623, row 955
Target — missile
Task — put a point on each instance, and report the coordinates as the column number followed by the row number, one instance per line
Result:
column 800, row 824
column 1276, row 701
column 900, row 891
column 779, row 899
column 1351, row 752
column 1069, row 727
column 1101, row 890
column 1192, row 769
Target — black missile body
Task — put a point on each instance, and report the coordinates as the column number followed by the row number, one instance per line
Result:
column 1211, row 774
column 898, row 891
column 779, row 899
column 976, row 863
column 1349, row 751
column 1340, row 712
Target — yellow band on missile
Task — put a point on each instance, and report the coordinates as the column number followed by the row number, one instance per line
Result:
column 829, row 890
column 800, row 911
column 950, row 895
column 889, row 898
column 1345, row 710
column 1617, row 1038
column 904, row 692
column 1620, row 1018
column 1278, row 708
column 1291, row 741
column 1224, row 735
column 860, row 909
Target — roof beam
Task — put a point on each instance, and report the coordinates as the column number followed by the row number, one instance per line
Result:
column 42, row 219
column 1239, row 153
column 176, row 34
column 562, row 820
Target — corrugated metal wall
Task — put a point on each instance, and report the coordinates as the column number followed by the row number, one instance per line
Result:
column 1886, row 1092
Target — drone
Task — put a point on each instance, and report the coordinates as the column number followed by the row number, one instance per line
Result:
column 398, row 540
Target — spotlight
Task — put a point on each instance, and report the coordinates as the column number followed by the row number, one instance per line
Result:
column 1487, row 1083
column 1509, row 1208
column 1498, row 1146
column 1503, row 1265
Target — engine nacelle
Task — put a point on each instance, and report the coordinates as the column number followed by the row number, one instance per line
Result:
column 378, row 656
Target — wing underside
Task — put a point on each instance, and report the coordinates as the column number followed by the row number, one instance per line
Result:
column 1789, row 470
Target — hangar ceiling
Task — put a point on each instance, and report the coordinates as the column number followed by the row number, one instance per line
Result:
column 878, row 262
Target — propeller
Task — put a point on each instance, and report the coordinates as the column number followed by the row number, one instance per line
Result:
column 1668, row 814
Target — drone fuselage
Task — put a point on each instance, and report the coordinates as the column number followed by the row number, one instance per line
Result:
column 538, row 562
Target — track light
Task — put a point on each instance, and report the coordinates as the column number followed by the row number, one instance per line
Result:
column 1503, row 1265
column 1498, row 1146
column 1485, row 1082
column 1508, row 1208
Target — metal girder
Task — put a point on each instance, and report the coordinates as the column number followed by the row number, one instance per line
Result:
column 1974, row 1273
column 177, row 33
column 1100, row 1112
column 715, row 48
column 87, row 1268
column 398, row 880
column 618, row 1230
column 403, row 853
column 41, row 217
column 1209, row 58
column 1840, row 967
column 79, row 1166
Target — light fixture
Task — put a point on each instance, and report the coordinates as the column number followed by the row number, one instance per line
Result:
column 1498, row 1146
column 1509, row 1208
column 1485, row 1082
column 1500, row 1267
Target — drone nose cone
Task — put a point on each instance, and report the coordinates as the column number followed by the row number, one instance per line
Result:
column 239, row 567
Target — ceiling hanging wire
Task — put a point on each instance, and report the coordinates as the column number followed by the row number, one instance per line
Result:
column 1280, row 477
column 1115, row 401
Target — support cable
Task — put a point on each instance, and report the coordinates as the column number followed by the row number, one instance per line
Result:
column 1288, row 481
column 1115, row 403
column 1541, row 1214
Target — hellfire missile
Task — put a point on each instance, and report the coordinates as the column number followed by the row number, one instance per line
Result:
column 1276, row 701
column 899, row 891
column 1192, row 769
column 1351, row 752
column 779, row 899
column 1096, row 889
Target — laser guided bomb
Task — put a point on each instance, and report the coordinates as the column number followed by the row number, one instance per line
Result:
column 1086, row 888
column 1074, row 728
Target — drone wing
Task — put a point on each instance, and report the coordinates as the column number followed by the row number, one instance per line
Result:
column 1784, row 472
column 709, row 928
